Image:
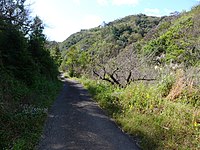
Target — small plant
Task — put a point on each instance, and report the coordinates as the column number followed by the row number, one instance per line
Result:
column 23, row 110
column 142, row 111
column 166, row 84
column 177, row 87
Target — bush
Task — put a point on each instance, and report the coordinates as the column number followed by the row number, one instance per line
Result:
column 23, row 110
column 143, row 111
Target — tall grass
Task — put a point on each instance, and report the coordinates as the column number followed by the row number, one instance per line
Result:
column 149, row 112
column 23, row 110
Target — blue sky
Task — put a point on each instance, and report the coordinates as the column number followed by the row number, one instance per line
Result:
column 65, row 17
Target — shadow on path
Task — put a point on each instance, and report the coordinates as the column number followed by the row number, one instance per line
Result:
column 75, row 122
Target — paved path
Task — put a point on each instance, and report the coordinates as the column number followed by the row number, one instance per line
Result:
column 75, row 122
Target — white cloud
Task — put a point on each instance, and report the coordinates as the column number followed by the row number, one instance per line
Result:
column 152, row 12
column 168, row 11
column 61, row 32
column 102, row 2
column 66, row 28
column 78, row 2
column 90, row 21
column 58, row 27
column 125, row 2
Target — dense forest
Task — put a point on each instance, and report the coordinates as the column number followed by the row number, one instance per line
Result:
column 28, row 76
column 145, row 71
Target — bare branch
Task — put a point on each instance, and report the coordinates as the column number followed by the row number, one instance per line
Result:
column 102, row 78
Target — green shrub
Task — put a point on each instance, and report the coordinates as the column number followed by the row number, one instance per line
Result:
column 141, row 110
column 23, row 110
column 165, row 85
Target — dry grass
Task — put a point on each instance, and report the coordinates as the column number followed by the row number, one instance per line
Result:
column 182, row 84
column 178, row 86
column 142, row 111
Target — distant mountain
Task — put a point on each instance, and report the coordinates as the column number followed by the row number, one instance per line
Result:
column 120, row 46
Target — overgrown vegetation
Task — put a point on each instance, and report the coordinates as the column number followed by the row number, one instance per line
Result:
column 23, row 110
column 28, row 77
column 141, row 109
column 147, row 75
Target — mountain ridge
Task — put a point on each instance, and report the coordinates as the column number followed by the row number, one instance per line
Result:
column 157, row 40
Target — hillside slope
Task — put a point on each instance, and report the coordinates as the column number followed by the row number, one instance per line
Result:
column 28, row 77
column 115, row 52
column 150, row 68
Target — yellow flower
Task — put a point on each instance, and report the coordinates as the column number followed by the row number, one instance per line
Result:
column 195, row 124
column 151, row 106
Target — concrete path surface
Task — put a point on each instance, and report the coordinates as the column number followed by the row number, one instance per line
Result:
column 75, row 122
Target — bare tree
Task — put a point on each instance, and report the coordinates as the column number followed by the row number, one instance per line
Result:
column 129, row 66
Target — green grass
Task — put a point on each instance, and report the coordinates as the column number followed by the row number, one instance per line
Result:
column 23, row 110
column 142, row 111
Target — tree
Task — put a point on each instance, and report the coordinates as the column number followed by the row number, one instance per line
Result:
column 37, row 39
column 14, row 54
column 44, row 63
column 72, row 61
column 56, row 55
column 15, row 13
column 15, row 57
column 129, row 66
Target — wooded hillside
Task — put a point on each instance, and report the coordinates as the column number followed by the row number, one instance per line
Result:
column 146, row 73
column 130, row 48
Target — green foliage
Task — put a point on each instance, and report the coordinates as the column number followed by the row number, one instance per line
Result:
column 142, row 111
column 103, row 43
column 56, row 55
column 177, row 42
column 162, row 40
column 72, row 61
column 14, row 14
column 166, row 84
column 102, row 92
column 23, row 110
column 75, row 61
column 42, row 60
column 28, row 82
column 163, row 113
column 15, row 56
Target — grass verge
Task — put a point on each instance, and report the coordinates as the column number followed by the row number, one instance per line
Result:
column 141, row 110
column 23, row 110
